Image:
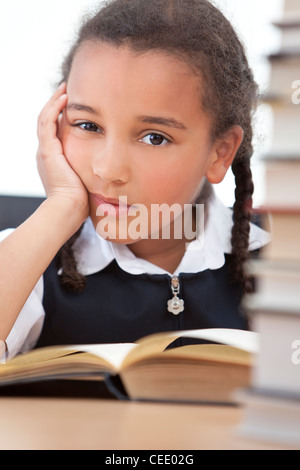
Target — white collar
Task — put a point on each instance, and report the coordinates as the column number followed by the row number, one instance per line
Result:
column 93, row 253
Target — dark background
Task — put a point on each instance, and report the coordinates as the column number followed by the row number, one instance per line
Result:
column 14, row 210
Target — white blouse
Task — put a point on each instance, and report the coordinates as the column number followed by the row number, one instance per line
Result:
column 93, row 254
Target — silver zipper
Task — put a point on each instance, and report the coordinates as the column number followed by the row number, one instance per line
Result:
column 175, row 305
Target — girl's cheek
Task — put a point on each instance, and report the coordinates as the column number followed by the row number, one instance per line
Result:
column 73, row 154
column 65, row 134
column 67, row 140
column 70, row 150
column 169, row 186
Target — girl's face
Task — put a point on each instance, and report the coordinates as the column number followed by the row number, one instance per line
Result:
column 133, row 129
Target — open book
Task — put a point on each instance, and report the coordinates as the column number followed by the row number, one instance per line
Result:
column 148, row 369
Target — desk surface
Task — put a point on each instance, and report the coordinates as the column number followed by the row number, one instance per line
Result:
column 88, row 424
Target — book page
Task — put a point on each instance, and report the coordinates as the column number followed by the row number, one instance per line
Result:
column 242, row 339
column 39, row 355
column 114, row 354
column 157, row 343
column 220, row 353
column 123, row 354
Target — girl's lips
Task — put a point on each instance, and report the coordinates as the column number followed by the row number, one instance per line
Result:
column 110, row 206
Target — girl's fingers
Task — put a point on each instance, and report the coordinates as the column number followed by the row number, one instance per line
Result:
column 47, row 121
column 60, row 91
column 54, row 169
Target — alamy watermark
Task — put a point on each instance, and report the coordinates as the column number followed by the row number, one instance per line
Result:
column 296, row 93
column 161, row 221
column 295, row 358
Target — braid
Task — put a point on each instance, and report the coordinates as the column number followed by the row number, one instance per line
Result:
column 241, row 222
column 70, row 278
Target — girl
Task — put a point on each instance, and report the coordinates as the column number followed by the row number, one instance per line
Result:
column 154, row 107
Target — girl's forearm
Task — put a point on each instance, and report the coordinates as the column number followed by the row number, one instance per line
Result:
column 27, row 252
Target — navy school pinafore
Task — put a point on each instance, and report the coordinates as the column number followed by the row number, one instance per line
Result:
column 120, row 307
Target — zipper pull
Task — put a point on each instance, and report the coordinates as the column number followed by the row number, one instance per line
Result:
column 175, row 305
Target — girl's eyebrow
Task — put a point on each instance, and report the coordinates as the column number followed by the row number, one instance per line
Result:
column 81, row 107
column 170, row 122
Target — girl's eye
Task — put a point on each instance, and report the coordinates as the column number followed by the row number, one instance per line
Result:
column 88, row 126
column 155, row 139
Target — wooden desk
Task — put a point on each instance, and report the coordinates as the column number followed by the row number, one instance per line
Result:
column 88, row 424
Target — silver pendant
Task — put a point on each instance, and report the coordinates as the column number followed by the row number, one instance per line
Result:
column 175, row 305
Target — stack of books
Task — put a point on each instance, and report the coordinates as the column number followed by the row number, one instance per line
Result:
column 272, row 405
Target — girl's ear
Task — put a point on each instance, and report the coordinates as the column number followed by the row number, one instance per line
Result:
column 223, row 153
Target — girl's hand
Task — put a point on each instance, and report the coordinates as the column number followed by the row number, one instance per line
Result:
column 59, row 179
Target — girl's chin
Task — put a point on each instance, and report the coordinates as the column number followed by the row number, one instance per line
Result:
column 116, row 233
column 121, row 229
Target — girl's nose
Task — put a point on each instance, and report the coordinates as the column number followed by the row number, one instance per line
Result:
column 111, row 162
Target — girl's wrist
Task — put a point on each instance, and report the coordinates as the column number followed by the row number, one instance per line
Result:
column 65, row 213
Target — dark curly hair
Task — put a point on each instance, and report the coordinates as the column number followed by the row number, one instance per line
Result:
column 197, row 32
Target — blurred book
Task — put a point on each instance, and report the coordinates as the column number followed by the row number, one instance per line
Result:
column 285, row 68
column 291, row 8
column 270, row 417
column 289, row 27
column 285, row 229
column 282, row 176
column 285, row 133
column 277, row 367
column 277, row 282
column 272, row 402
